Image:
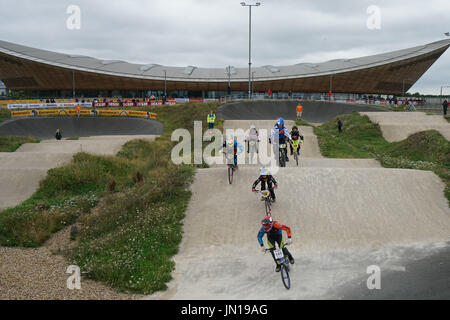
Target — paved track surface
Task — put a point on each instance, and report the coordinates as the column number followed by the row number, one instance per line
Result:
column 45, row 128
column 346, row 215
column 345, row 220
column 313, row 111
column 414, row 277
column 397, row 126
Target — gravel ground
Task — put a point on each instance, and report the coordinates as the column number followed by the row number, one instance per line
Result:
column 40, row 274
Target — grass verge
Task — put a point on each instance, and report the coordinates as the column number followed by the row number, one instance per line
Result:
column 361, row 138
column 11, row 144
column 129, row 208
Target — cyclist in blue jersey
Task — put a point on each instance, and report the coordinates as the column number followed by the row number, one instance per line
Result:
column 278, row 136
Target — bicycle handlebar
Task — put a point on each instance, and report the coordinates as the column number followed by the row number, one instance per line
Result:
column 267, row 250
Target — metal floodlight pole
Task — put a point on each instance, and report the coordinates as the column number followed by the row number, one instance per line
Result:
column 73, row 84
column 331, row 85
column 165, row 83
column 257, row 4
column 253, row 83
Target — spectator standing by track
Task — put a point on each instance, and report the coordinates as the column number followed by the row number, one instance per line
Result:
column 58, row 134
column 340, row 124
column 299, row 111
column 211, row 119
column 445, row 107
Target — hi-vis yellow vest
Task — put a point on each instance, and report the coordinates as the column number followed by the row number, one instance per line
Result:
column 211, row 118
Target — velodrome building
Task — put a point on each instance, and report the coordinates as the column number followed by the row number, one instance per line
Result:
column 60, row 75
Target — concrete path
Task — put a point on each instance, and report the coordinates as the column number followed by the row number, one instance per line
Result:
column 397, row 126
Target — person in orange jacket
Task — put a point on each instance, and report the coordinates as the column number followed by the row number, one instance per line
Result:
column 273, row 229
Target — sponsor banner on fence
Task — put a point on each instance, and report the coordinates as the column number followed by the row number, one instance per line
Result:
column 84, row 112
column 48, row 105
column 142, row 114
column 73, row 112
column 23, row 113
column 47, row 112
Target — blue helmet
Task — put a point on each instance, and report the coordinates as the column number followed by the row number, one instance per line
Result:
column 280, row 122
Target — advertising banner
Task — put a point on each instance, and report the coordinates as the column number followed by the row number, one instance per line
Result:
column 48, row 105
column 47, row 112
column 24, row 113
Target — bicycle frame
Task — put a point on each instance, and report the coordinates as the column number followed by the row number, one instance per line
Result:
column 267, row 200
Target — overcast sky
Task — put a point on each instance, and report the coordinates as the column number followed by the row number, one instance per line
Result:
column 214, row 33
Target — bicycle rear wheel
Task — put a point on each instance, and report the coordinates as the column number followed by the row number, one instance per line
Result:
column 230, row 174
column 285, row 277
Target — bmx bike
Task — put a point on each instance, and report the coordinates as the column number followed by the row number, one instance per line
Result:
column 296, row 145
column 267, row 200
column 284, row 264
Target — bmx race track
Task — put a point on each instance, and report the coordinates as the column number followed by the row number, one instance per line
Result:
column 22, row 170
column 346, row 215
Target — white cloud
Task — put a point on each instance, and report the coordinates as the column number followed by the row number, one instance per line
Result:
column 214, row 33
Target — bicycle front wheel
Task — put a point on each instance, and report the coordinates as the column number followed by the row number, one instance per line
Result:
column 296, row 157
column 230, row 175
column 285, row 277
column 268, row 210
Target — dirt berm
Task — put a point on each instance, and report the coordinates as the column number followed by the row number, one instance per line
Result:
column 45, row 128
column 313, row 111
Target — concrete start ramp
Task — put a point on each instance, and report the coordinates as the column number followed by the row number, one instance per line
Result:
column 397, row 126
column 313, row 111
column 45, row 128
column 343, row 221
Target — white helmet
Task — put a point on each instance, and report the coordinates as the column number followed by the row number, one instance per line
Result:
column 264, row 172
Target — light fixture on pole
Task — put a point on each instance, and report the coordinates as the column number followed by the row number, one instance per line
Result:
column 257, row 4
column 447, row 34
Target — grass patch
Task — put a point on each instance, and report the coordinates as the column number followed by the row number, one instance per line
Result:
column 361, row 138
column 11, row 144
column 73, row 138
column 129, row 208
column 5, row 114
column 301, row 122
